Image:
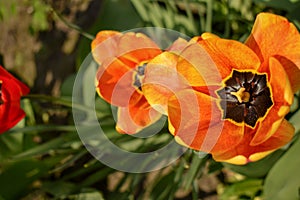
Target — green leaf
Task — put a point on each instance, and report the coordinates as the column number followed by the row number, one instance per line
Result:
column 109, row 19
column 124, row 195
column 41, row 128
column 70, row 160
column 141, row 9
column 283, row 181
column 215, row 166
column 103, row 107
column 58, row 188
column 193, row 170
column 16, row 179
column 46, row 147
column 28, row 109
column 156, row 15
column 295, row 121
column 39, row 19
column 248, row 187
column 95, row 177
column 88, row 87
column 10, row 144
column 92, row 195
column 294, row 14
column 287, row 5
column 7, row 9
column 87, row 168
column 164, row 188
column 67, row 86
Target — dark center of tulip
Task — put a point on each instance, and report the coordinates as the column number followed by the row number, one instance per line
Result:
column 246, row 97
column 1, row 100
column 139, row 75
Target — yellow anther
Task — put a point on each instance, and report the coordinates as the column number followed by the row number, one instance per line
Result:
column 241, row 95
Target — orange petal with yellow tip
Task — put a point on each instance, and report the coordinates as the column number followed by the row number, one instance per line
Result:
column 204, row 36
column 242, row 160
column 104, row 35
column 197, row 123
column 244, row 152
column 105, row 45
column 162, row 80
column 114, row 82
column 211, row 60
column 274, row 35
column 282, row 96
column 135, row 117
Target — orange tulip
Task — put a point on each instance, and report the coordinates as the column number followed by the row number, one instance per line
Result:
column 227, row 98
column 122, row 59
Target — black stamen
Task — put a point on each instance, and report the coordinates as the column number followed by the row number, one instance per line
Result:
column 140, row 71
column 234, row 97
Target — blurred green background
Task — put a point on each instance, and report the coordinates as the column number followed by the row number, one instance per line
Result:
column 44, row 42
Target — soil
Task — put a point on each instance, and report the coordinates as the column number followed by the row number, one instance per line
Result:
column 44, row 56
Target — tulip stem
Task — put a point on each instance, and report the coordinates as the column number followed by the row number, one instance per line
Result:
column 65, row 102
column 39, row 128
column 57, row 100
column 73, row 26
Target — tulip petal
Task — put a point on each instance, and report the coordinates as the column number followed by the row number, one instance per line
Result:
column 10, row 94
column 105, row 45
column 197, row 122
column 210, row 60
column 282, row 100
column 114, row 82
column 205, row 36
column 13, row 86
column 178, row 45
column 230, row 54
column 136, row 48
column 12, row 90
column 104, row 35
column 135, row 117
column 10, row 115
column 131, row 48
column 245, row 152
column 162, row 80
column 274, row 35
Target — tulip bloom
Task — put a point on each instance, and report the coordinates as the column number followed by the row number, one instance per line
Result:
column 11, row 91
column 228, row 98
column 122, row 59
